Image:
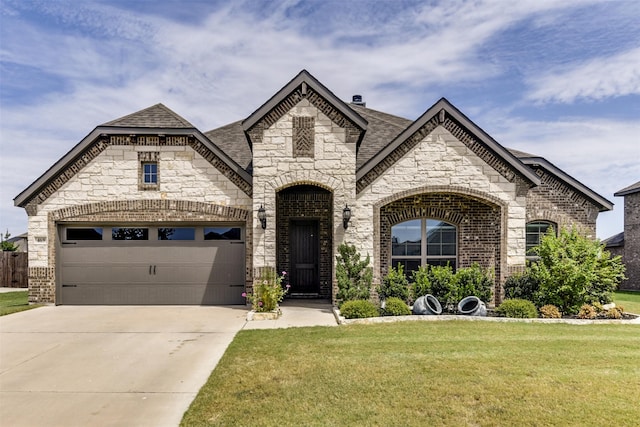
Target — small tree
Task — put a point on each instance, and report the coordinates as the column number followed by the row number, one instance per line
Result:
column 573, row 270
column 354, row 275
column 5, row 245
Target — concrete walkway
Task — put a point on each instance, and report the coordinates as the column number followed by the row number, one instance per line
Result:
column 119, row 365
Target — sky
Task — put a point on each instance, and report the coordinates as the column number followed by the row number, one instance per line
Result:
column 560, row 79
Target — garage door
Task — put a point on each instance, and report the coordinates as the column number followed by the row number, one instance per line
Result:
column 150, row 265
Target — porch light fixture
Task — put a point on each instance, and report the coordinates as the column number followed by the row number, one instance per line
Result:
column 346, row 216
column 262, row 216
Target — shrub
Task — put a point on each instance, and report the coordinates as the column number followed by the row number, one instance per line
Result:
column 550, row 311
column 394, row 284
column 443, row 286
column 395, row 307
column 587, row 312
column 521, row 286
column 421, row 285
column 519, row 308
column 358, row 309
column 614, row 313
column 354, row 275
column 473, row 281
column 573, row 269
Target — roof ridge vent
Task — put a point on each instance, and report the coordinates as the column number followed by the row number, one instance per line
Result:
column 357, row 100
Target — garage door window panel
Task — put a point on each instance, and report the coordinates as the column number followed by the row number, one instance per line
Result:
column 90, row 233
column 129, row 233
column 177, row 233
column 222, row 233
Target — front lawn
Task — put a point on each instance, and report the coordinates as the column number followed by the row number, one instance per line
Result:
column 630, row 300
column 426, row 373
column 12, row 302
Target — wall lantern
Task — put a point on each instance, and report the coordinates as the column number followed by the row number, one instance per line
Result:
column 262, row 216
column 346, row 216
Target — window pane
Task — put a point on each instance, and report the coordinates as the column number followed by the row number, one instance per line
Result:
column 181, row 233
column 408, row 264
column 443, row 262
column 150, row 173
column 448, row 249
column 406, row 238
column 129, row 234
column 535, row 231
column 222, row 233
column 84, row 233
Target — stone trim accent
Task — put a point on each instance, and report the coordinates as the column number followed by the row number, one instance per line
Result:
column 104, row 141
column 305, row 177
column 303, row 136
column 352, row 132
column 148, row 157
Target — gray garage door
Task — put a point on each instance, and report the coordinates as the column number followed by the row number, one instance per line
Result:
column 147, row 265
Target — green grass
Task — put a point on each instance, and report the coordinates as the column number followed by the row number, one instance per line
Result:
column 426, row 373
column 13, row 302
column 630, row 300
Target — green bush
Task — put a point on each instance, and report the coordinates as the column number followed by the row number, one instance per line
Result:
column 354, row 275
column 421, row 284
column 521, row 286
column 394, row 284
column 358, row 309
column 473, row 281
column 573, row 269
column 395, row 307
column 443, row 286
column 518, row 308
column 550, row 311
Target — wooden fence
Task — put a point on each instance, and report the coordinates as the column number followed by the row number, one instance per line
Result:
column 13, row 270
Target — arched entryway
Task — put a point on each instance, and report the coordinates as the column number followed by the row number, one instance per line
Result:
column 304, row 239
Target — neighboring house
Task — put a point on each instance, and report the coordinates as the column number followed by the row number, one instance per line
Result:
column 20, row 242
column 627, row 243
column 147, row 209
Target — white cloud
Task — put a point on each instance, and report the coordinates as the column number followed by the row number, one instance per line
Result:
column 594, row 79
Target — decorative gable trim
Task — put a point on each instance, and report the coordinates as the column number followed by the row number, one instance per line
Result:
column 304, row 85
column 446, row 115
column 103, row 137
column 303, row 136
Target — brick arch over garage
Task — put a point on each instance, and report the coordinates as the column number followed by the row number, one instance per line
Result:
column 480, row 220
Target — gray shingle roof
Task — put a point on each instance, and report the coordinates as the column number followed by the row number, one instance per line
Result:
column 156, row 116
column 614, row 241
column 231, row 139
column 633, row 188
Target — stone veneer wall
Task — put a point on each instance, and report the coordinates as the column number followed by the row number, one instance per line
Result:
column 188, row 181
column 310, row 202
column 631, row 256
column 331, row 166
column 556, row 202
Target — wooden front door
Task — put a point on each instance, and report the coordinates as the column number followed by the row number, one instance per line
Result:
column 304, row 243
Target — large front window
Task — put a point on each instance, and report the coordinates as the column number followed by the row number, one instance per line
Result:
column 423, row 242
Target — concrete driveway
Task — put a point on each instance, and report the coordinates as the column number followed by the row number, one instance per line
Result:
column 109, row 366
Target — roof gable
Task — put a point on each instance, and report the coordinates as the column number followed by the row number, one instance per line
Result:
column 175, row 132
column 156, row 116
column 443, row 113
column 304, row 85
